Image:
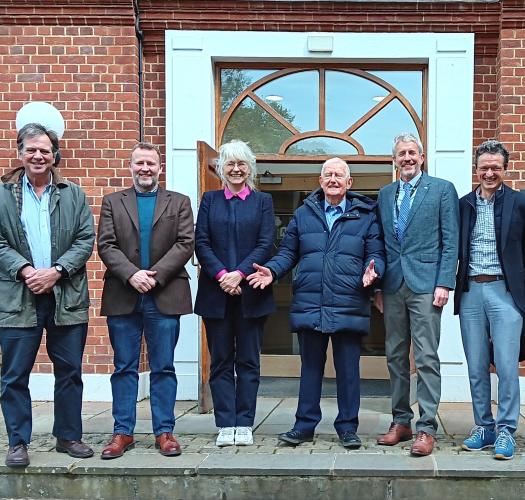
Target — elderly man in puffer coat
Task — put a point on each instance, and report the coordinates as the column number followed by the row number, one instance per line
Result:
column 335, row 240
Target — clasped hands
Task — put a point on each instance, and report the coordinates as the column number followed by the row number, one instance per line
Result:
column 230, row 282
column 143, row 281
column 39, row 281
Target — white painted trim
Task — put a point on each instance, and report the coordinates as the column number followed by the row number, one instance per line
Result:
column 97, row 387
column 190, row 58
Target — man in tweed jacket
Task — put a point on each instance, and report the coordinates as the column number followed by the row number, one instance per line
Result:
column 420, row 220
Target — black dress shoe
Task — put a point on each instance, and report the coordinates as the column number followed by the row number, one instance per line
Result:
column 295, row 437
column 350, row 440
column 17, row 456
column 75, row 449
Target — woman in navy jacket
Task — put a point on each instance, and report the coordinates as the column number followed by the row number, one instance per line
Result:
column 235, row 228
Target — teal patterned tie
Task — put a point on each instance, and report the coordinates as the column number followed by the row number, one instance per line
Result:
column 404, row 210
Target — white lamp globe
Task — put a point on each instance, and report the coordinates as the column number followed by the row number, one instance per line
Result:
column 43, row 113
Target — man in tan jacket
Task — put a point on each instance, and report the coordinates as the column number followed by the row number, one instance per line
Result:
column 145, row 238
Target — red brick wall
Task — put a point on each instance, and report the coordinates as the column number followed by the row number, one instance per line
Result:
column 90, row 74
column 83, row 58
column 511, row 100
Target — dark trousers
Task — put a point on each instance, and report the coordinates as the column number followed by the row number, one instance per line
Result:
column 65, row 346
column 347, row 350
column 235, row 345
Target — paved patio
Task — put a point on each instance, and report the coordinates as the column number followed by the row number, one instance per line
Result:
column 205, row 471
column 196, row 431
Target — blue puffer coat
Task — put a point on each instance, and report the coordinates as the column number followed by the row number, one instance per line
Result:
column 328, row 293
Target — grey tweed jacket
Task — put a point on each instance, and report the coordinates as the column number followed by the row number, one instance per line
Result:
column 428, row 255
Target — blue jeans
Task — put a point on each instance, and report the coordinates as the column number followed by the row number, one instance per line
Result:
column 487, row 312
column 161, row 332
column 65, row 346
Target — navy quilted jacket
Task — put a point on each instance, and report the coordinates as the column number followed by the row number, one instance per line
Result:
column 328, row 294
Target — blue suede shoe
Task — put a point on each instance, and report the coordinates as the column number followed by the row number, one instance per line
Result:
column 504, row 446
column 479, row 439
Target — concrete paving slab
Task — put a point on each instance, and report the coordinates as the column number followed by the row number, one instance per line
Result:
column 141, row 464
column 366, row 464
column 95, row 408
column 479, row 464
column 267, row 465
column 183, row 407
column 456, row 418
column 196, row 424
column 43, row 463
column 273, row 429
column 375, row 405
column 98, row 424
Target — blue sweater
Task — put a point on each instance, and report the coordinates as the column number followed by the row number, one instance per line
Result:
column 146, row 208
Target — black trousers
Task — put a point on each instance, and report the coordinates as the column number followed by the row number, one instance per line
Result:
column 235, row 346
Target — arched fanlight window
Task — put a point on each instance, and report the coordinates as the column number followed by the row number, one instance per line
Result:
column 297, row 112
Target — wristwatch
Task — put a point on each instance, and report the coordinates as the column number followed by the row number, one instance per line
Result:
column 61, row 270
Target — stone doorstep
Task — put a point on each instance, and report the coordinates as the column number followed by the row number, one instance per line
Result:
column 357, row 465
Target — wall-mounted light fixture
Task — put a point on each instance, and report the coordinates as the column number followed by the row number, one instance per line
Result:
column 43, row 113
column 269, row 178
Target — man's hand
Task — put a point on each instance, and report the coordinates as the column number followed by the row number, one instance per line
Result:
column 229, row 282
column 40, row 281
column 370, row 274
column 26, row 272
column 378, row 301
column 440, row 296
column 261, row 278
column 143, row 281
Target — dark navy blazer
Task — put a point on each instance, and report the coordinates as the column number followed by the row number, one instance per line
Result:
column 217, row 247
column 509, row 225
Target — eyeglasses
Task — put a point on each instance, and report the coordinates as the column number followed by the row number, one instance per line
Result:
column 241, row 165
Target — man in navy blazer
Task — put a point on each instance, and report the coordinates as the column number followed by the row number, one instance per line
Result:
column 490, row 297
column 419, row 216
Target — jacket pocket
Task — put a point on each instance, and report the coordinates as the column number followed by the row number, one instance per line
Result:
column 429, row 257
column 75, row 293
column 11, row 293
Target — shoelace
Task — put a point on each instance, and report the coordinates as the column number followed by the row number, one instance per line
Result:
column 242, row 431
column 478, row 432
column 504, row 438
column 421, row 436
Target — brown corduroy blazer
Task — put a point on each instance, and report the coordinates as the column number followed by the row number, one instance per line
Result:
column 172, row 244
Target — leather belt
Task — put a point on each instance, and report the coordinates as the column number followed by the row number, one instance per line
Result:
column 486, row 278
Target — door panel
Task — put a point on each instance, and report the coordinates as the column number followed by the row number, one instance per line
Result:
column 208, row 181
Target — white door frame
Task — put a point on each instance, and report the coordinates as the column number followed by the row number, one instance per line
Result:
column 190, row 116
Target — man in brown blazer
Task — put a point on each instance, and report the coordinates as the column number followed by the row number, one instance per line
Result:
column 145, row 238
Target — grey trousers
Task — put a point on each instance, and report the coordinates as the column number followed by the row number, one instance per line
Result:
column 412, row 317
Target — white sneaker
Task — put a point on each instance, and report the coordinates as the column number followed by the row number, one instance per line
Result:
column 226, row 436
column 243, row 436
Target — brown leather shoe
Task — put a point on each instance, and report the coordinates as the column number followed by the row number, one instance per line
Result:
column 119, row 444
column 422, row 445
column 17, row 456
column 396, row 434
column 75, row 449
column 168, row 445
